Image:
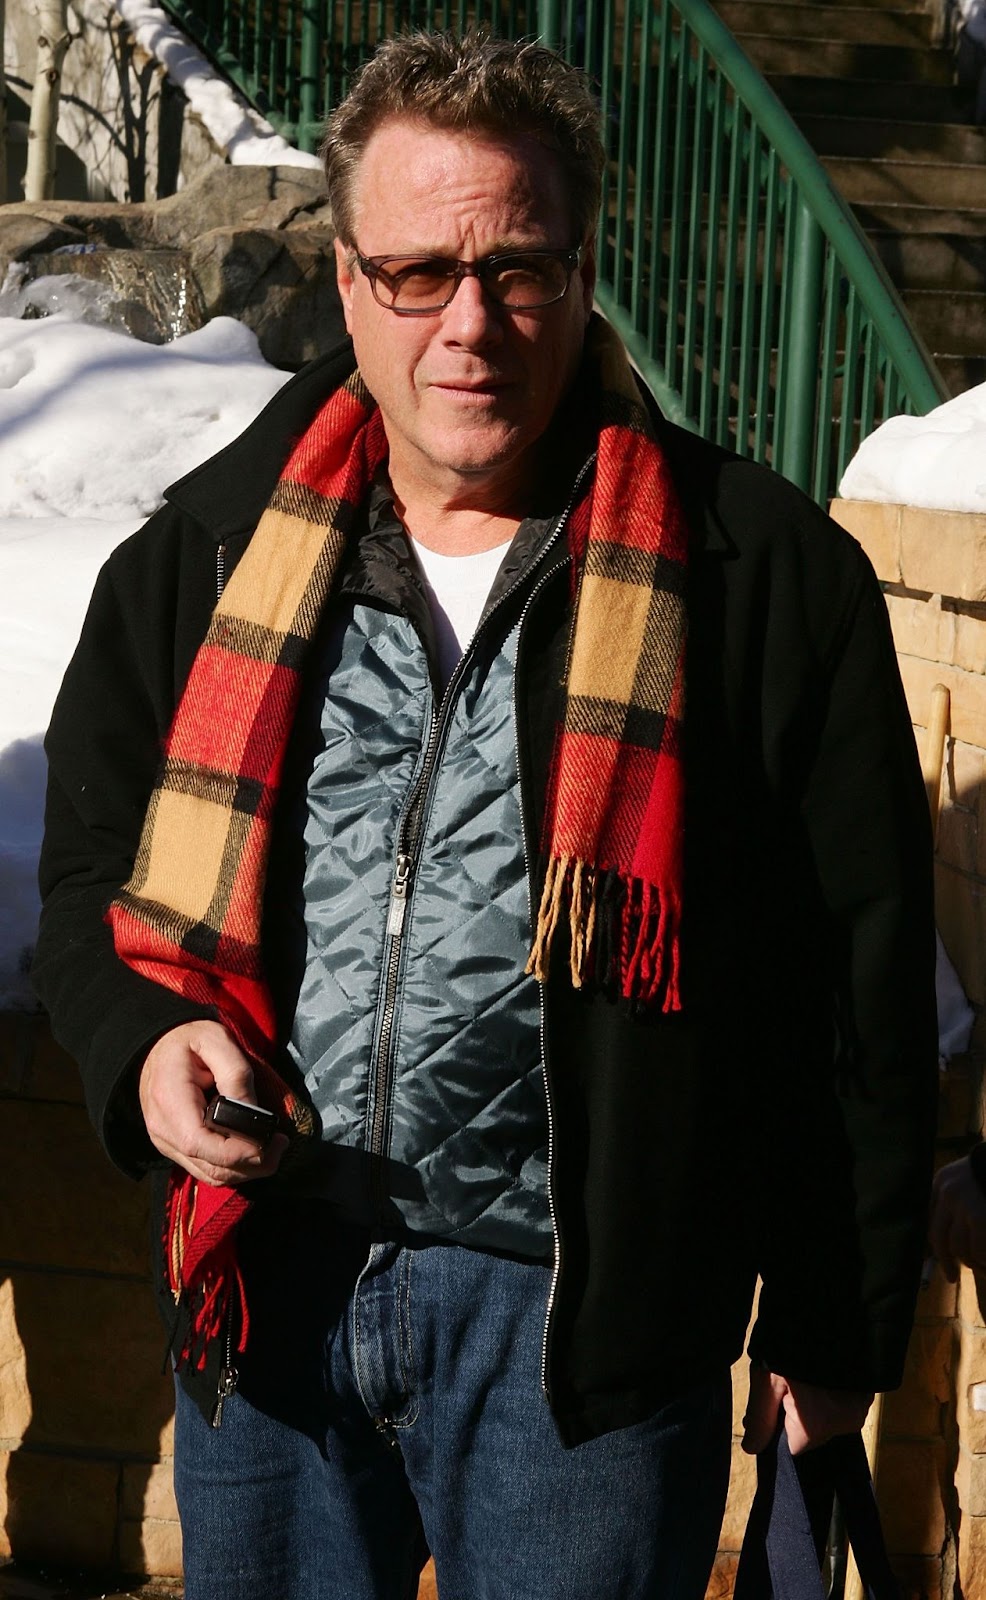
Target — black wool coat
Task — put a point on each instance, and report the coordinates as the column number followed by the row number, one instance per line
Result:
column 782, row 1123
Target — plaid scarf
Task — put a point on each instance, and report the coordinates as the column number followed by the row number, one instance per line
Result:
column 189, row 918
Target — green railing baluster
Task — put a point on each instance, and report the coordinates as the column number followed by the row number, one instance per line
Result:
column 850, row 368
column 767, row 329
column 748, row 312
column 799, row 401
column 827, row 372
column 658, row 206
column 678, row 203
column 710, row 343
column 624, row 165
column 692, row 269
column 730, row 277
column 639, row 283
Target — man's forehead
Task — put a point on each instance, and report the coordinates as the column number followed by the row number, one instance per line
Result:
column 412, row 170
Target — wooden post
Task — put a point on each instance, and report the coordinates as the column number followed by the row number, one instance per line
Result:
column 53, row 41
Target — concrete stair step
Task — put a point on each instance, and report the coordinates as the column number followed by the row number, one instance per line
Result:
column 823, row 58
column 878, row 182
column 788, row 19
column 910, row 218
column 805, row 94
column 952, row 320
column 961, row 372
column 933, row 260
column 893, row 140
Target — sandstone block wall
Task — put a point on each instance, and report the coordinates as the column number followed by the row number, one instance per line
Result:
column 933, row 569
column 85, row 1409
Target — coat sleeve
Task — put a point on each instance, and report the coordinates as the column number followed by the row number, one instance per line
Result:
column 843, row 1319
column 103, row 747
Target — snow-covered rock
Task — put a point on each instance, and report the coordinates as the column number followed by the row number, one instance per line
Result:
column 937, row 461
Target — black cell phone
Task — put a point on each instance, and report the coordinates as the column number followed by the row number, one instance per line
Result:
column 239, row 1116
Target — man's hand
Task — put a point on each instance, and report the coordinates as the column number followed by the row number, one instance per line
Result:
column 957, row 1229
column 812, row 1415
column 180, row 1075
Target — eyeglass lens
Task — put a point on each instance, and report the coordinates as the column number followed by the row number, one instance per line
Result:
column 515, row 280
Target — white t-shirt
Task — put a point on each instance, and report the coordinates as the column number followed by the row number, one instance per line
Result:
column 457, row 588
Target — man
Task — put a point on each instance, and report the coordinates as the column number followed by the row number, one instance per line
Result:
column 589, row 974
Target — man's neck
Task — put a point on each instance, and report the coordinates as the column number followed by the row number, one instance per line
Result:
column 460, row 515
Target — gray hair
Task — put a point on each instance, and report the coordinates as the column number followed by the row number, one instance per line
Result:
column 472, row 84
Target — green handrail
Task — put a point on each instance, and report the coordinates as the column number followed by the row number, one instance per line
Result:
column 742, row 285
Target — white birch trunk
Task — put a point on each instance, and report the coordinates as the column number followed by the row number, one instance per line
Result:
column 53, row 41
column 3, row 111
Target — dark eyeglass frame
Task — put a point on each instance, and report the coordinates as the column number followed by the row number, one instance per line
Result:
column 372, row 267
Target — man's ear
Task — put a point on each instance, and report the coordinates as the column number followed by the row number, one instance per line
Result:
column 344, row 278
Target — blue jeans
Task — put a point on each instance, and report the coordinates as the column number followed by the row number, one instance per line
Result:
column 400, row 1410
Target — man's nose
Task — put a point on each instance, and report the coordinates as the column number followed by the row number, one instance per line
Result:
column 472, row 316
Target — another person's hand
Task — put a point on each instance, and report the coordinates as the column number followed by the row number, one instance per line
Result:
column 181, row 1073
column 957, row 1229
column 812, row 1415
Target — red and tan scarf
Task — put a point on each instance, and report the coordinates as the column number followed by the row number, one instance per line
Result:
column 189, row 918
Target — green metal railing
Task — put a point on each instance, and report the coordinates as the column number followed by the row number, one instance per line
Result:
column 740, row 282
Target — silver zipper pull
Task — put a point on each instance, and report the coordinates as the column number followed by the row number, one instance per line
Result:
column 398, row 896
column 228, row 1379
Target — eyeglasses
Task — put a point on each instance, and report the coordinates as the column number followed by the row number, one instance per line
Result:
column 521, row 280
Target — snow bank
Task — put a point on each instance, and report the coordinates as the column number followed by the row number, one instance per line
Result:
column 937, row 461
column 93, row 427
column 247, row 138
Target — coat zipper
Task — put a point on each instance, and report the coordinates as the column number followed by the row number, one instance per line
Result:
column 409, row 834
column 220, row 571
column 228, row 1375
column 556, row 1262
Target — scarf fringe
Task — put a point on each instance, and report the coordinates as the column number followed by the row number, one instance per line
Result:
column 211, row 1281
column 623, row 933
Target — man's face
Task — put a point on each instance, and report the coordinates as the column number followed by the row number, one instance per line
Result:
column 467, row 391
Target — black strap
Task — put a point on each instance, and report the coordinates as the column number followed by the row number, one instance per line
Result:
column 779, row 1559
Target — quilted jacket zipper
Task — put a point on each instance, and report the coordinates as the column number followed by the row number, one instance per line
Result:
column 406, row 859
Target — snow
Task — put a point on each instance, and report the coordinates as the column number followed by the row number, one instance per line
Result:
column 247, row 138
column 93, row 427
column 937, row 461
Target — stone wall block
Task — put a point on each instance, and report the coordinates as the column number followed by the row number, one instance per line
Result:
column 915, row 1409
column 943, row 553
column 742, row 1487
column 958, row 838
column 723, row 1577
column 920, row 1577
column 969, row 646
column 93, row 1350
column 61, row 1202
column 58, row 1510
column 921, row 627
column 970, row 1390
column 32, row 1064
column 151, row 1546
column 960, row 910
column 964, row 774
column 970, row 1482
column 972, row 1556
column 877, row 527
column 15, row 1393
column 967, row 715
column 972, row 1299
column 909, row 1478
column 149, row 1492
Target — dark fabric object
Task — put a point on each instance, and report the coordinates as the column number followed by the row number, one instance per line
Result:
column 781, row 1549
column 808, row 1029
column 977, row 1161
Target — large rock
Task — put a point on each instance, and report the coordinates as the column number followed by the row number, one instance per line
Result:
column 282, row 284
column 253, row 243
